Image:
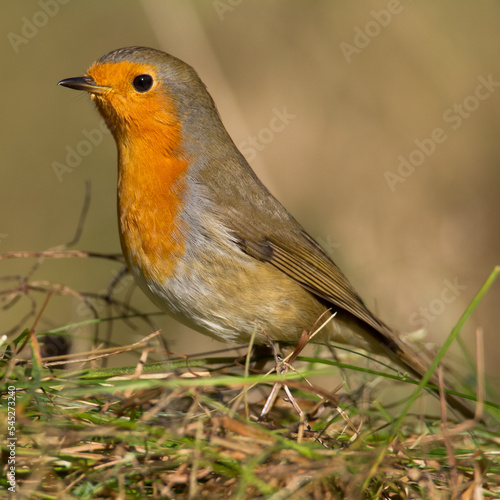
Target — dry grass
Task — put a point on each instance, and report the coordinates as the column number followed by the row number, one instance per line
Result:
column 182, row 427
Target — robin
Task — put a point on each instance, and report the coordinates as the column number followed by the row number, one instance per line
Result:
column 203, row 237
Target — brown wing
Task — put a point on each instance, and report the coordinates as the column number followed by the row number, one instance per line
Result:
column 305, row 261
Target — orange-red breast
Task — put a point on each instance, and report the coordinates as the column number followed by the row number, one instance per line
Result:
column 201, row 234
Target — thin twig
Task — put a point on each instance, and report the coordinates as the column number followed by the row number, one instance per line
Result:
column 83, row 215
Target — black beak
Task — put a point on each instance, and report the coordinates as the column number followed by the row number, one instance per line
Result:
column 83, row 83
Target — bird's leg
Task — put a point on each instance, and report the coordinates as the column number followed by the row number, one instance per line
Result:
column 282, row 366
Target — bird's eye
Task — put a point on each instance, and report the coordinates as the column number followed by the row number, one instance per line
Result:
column 142, row 83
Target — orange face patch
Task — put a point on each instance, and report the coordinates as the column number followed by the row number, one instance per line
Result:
column 125, row 109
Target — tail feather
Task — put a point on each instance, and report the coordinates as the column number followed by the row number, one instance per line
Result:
column 407, row 358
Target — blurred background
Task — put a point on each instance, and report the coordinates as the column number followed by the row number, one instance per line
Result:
column 389, row 154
